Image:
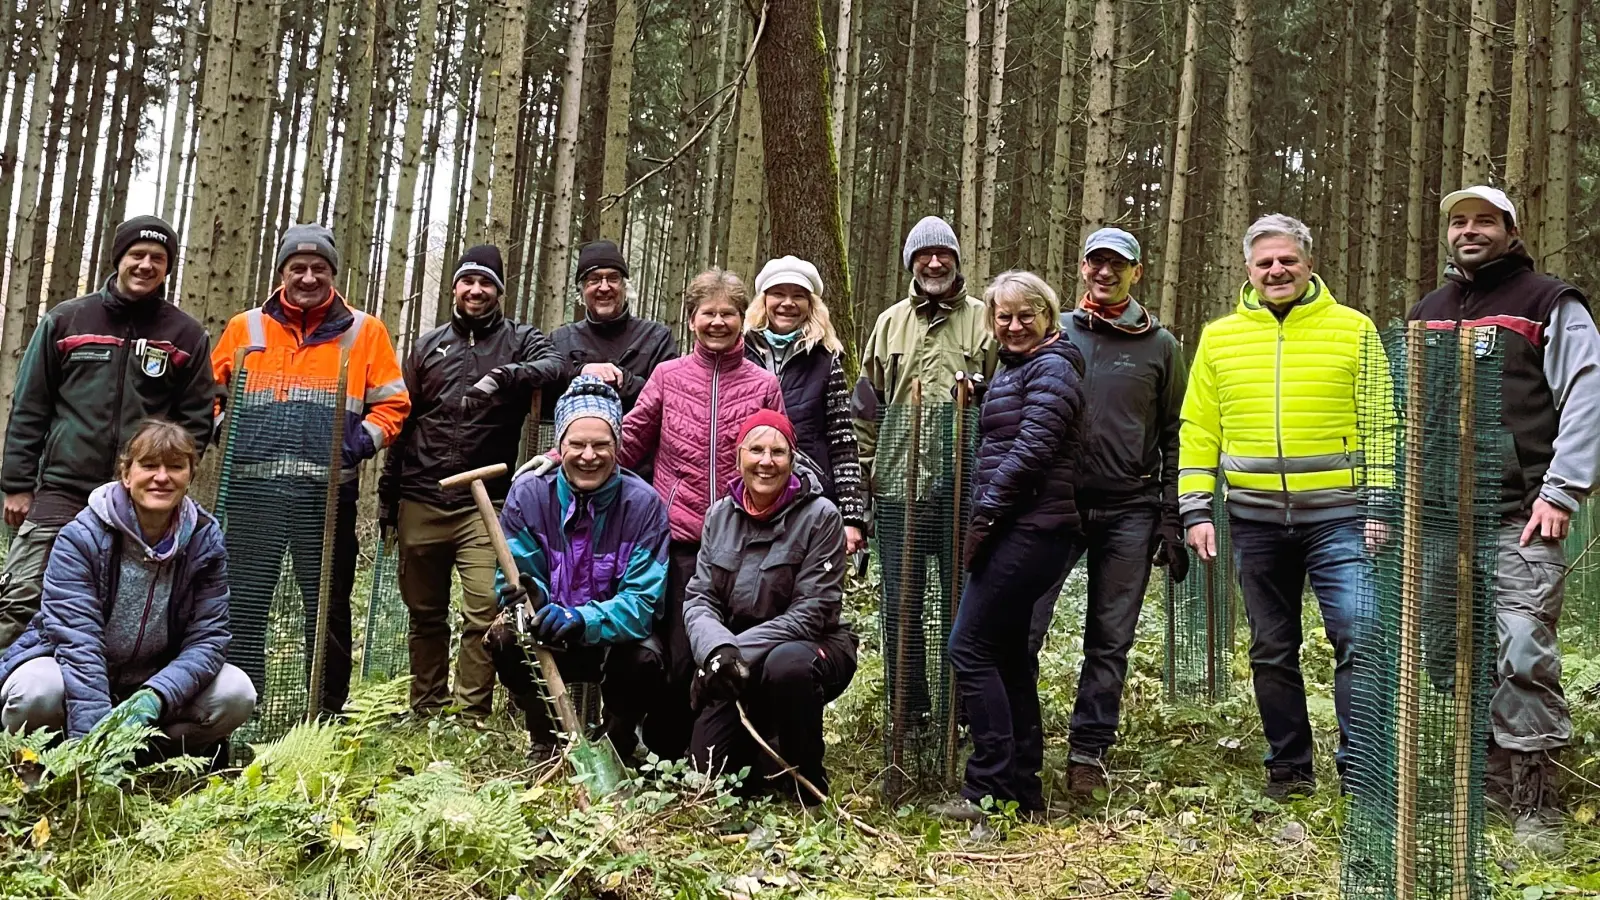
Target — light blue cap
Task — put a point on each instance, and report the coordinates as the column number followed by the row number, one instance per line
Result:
column 1115, row 240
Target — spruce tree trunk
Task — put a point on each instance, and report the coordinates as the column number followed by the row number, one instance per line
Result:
column 15, row 333
column 1373, row 297
column 971, row 110
column 1531, row 204
column 76, row 30
column 619, row 98
column 509, row 105
column 1478, row 131
column 1517, row 126
column 405, row 195
column 847, row 137
column 83, row 139
column 1178, row 199
column 1339, row 275
column 1554, row 233
column 494, row 27
column 800, row 169
column 1061, row 156
column 991, row 148
column 187, row 80
column 1417, row 200
column 351, row 215
column 558, row 233
column 748, row 184
column 841, row 70
column 1097, row 148
column 893, row 265
column 22, row 66
column 708, row 181
column 1236, row 171
column 317, row 131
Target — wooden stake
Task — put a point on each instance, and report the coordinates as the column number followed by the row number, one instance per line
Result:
column 1461, row 883
column 1410, row 628
column 330, row 515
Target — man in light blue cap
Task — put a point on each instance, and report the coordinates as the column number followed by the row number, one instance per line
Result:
column 1128, row 486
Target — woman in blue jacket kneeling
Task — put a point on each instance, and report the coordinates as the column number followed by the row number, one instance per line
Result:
column 1024, row 512
column 134, row 618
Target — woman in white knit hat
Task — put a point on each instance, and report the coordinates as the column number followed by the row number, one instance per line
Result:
column 787, row 331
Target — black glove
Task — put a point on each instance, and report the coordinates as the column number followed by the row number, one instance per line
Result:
column 485, row 391
column 388, row 517
column 557, row 625
column 720, row 677
column 511, row 595
column 976, row 546
column 1167, row 549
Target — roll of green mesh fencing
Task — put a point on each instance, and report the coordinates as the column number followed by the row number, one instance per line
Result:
column 1433, row 447
column 1200, row 624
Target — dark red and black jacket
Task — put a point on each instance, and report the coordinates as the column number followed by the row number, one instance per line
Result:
column 95, row 367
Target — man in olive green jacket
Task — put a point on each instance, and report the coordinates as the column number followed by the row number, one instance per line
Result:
column 917, row 348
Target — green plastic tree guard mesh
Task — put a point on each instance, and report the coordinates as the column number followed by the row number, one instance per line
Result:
column 272, row 501
column 385, row 651
column 1581, row 607
column 1425, row 638
column 1200, row 620
column 921, row 476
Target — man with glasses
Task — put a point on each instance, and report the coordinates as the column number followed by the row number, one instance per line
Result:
column 609, row 342
column 1127, row 490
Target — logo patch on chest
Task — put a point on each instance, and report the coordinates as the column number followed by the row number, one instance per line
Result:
column 1483, row 338
column 153, row 361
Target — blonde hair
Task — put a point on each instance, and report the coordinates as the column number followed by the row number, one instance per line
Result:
column 714, row 283
column 1021, row 285
column 160, row 441
column 818, row 327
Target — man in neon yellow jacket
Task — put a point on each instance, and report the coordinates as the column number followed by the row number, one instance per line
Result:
column 1290, row 398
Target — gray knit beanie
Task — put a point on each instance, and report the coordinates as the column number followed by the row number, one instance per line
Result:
column 310, row 238
column 932, row 231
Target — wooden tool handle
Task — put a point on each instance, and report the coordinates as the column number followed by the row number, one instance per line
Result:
column 494, row 471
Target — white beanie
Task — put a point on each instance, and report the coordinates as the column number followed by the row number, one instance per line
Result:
column 932, row 231
column 789, row 270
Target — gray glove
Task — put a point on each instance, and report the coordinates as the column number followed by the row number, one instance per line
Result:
column 483, row 392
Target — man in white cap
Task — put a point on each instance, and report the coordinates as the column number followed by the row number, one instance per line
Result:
column 926, row 339
column 1550, row 403
column 1127, row 491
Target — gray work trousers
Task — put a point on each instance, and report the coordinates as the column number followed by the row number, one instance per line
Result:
column 34, row 696
column 23, row 581
column 1528, row 710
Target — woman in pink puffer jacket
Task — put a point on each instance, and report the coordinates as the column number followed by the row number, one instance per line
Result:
column 688, row 417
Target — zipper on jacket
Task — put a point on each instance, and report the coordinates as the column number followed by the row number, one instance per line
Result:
column 116, row 409
column 711, row 495
column 144, row 618
column 1277, row 414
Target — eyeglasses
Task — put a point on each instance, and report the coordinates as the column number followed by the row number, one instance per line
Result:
column 596, row 279
column 1115, row 263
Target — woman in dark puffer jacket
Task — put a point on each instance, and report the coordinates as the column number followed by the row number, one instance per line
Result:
column 1023, row 513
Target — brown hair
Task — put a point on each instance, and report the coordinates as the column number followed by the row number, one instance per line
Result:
column 713, row 283
column 157, row 440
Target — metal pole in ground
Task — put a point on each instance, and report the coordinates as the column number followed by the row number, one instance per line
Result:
column 330, row 515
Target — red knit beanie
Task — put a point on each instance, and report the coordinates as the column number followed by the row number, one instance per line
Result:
column 771, row 418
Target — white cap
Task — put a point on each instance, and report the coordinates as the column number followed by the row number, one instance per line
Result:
column 789, row 270
column 1493, row 196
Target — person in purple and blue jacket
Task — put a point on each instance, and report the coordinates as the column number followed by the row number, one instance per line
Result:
column 133, row 623
column 590, row 541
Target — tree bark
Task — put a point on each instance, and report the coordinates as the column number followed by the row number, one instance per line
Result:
column 558, row 233
column 1236, row 172
column 1061, row 157
column 1097, row 147
column 1417, row 199
column 1564, row 61
column 1345, row 186
column 708, row 181
column 351, row 216
column 991, row 149
column 800, row 171
column 489, row 60
column 893, row 265
column 187, row 79
column 317, row 129
column 971, row 109
column 1178, row 199
column 509, row 99
column 615, row 176
column 748, row 184
column 1478, row 131
column 405, row 199
column 1373, row 295
column 841, row 70
column 22, row 66
column 847, row 137
column 1517, row 127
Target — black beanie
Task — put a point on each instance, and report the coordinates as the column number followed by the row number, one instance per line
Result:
column 600, row 255
column 483, row 259
column 144, row 228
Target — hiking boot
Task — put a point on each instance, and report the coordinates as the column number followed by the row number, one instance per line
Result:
column 1535, row 806
column 959, row 809
column 1084, row 777
column 1284, row 784
column 1497, row 780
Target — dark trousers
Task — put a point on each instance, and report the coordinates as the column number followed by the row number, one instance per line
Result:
column 266, row 517
column 1117, row 542
column 629, row 675
column 1274, row 563
column 996, row 676
column 668, row 725
column 905, row 587
column 784, row 699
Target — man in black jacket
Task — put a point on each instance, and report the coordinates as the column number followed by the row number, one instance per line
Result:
column 1550, row 406
column 471, row 382
column 1127, row 486
column 95, row 367
column 609, row 342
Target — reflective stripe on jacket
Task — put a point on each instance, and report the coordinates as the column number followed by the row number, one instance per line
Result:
column 1297, row 414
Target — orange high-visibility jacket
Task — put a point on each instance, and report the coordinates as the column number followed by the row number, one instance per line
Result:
column 298, row 358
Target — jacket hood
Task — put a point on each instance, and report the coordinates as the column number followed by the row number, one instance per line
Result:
column 1135, row 319
column 112, row 505
column 1058, row 346
column 1494, row 271
column 1316, row 296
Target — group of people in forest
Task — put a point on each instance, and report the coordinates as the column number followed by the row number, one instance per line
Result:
column 685, row 541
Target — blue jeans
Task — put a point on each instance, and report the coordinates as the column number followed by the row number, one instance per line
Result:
column 995, row 674
column 1274, row 562
column 1117, row 542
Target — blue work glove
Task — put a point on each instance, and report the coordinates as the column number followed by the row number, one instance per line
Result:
column 357, row 446
column 142, row 709
column 556, row 624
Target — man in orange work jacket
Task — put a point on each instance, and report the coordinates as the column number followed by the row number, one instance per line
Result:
column 282, row 444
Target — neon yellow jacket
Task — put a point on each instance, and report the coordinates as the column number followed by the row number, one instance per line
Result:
column 1298, row 415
